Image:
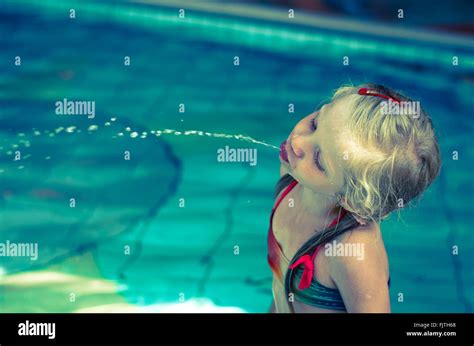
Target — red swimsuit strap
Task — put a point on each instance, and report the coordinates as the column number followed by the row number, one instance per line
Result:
column 307, row 260
column 287, row 191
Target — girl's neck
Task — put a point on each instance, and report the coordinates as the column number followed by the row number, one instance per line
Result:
column 321, row 206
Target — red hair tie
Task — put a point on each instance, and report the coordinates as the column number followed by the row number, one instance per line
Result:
column 373, row 92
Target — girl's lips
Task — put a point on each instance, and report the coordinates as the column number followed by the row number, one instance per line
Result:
column 283, row 152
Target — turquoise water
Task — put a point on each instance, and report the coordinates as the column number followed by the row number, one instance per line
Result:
column 181, row 253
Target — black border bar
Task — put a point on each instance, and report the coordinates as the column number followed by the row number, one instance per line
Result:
column 286, row 329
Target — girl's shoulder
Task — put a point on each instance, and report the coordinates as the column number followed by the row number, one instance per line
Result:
column 361, row 247
column 363, row 278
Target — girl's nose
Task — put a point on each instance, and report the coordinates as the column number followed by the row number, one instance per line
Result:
column 297, row 144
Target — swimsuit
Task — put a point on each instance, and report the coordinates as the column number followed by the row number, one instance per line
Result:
column 300, row 269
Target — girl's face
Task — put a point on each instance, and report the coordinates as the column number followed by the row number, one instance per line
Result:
column 315, row 157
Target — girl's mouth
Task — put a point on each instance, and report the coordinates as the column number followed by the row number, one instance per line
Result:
column 283, row 152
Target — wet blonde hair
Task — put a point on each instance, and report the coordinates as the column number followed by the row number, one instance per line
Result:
column 391, row 158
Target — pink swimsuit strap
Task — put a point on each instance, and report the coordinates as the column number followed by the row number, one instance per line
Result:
column 307, row 260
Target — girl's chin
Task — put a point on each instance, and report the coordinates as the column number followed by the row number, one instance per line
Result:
column 285, row 163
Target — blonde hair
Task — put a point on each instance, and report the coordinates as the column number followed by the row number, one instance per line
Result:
column 399, row 158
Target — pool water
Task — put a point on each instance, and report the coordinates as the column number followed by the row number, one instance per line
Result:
column 172, row 228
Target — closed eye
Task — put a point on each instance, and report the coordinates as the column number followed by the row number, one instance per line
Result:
column 313, row 124
column 317, row 161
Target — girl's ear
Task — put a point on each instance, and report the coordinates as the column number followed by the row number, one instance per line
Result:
column 343, row 203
